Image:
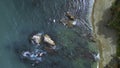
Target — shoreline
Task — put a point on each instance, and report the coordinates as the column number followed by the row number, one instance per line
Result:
column 97, row 42
column 102, row 42
column 91, row 20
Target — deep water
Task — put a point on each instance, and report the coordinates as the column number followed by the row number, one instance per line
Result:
column 20, row 18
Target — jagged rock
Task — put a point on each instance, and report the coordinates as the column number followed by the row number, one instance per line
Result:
column 70, row 17
column 36, row 39
column 70, row 21
column 48, row 40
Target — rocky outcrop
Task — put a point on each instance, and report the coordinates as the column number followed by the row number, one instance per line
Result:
column 48, row 40
column 69, row 20
column 37, row 38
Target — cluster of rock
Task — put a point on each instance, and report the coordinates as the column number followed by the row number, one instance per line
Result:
column 37, row 54
column 39, row 38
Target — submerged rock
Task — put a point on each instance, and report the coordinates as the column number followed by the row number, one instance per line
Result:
column 48, row 40
column 34, row 55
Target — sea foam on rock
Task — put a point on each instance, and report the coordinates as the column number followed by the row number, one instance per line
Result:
column 38, row 52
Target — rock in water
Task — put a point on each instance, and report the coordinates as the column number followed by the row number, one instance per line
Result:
column 70, row 17
column 36, row 39
column 70, row 21
column 48, row 40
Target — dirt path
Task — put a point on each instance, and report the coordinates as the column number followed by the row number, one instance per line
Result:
column 105, row 36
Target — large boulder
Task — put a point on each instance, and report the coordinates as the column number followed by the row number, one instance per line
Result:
column 37, row 38
column 48, row 40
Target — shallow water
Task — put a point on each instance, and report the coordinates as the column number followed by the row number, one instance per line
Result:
column 20, row 18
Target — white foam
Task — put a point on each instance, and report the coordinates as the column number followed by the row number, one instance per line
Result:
column 54, row 20
column 74, row 22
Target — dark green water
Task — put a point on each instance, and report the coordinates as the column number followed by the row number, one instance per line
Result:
column 20, row 18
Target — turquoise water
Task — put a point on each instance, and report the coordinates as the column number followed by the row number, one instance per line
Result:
column 20, row 18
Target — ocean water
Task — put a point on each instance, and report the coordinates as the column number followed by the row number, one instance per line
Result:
column 20, row 18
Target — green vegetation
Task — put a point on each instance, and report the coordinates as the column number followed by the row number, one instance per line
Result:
column 115, row 22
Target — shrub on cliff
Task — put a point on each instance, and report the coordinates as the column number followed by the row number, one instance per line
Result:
column 115, row 21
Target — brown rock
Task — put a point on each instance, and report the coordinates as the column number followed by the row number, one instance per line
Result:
column 71, row 17
column 48, row 40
